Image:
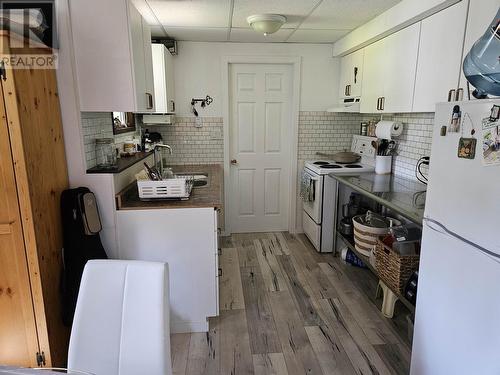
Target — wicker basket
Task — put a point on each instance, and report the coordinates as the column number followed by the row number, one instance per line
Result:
column 365, row 237
column 394, row 269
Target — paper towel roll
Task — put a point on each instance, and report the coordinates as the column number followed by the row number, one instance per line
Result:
column 388, row 129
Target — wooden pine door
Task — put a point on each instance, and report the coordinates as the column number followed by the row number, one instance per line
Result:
column 18, row 335
column 260, row 128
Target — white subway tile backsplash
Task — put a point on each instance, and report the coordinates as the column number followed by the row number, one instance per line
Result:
column 414, row 143
column 318, row 132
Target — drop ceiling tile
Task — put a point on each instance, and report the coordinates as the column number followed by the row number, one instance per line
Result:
column 316, row 36
column 294, row 10
column 248, row 35
column 345, row 14
column 198, row 34
column 192, row 13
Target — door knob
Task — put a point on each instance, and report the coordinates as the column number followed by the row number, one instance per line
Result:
column 234, row 162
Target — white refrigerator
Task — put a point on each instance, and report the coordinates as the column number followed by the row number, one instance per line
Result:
column 457, row 323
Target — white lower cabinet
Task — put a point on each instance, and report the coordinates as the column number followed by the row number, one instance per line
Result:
column 186, row 239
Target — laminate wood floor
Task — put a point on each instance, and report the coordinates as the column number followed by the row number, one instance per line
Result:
column 285, row 309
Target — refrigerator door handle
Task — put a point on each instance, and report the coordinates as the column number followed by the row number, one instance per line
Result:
column 441, row 228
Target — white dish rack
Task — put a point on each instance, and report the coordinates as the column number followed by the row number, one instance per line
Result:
column 179, row 187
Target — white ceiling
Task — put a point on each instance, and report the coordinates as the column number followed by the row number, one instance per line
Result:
column 308, row 21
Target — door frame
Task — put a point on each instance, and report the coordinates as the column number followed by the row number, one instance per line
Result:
column 295, row 62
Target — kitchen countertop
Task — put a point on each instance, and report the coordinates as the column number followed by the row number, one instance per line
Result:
column 210, row 195
column 122, row 163
column 405, row 196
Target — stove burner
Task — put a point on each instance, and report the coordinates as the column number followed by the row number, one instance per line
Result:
column 320, row 163
column 331, row 166
column 353, row 166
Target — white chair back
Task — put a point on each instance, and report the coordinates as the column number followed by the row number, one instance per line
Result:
column 121, row 324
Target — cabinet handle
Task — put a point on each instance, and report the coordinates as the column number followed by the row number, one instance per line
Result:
column 451, row 94
column 219, row 272
column 349, row 90
column 345, row 90
column 382, row 103
column 172, row 105
column 355, row 74
column 460, row 94
column 378, row 104
column 150, row 100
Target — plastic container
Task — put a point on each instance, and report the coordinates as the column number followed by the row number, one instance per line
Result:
column 481, row 67
column 383, row 164
column 349, row 257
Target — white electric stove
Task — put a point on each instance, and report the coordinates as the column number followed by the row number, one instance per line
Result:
column 320, row 211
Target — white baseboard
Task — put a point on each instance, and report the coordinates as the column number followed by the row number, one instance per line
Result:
column 188, row 327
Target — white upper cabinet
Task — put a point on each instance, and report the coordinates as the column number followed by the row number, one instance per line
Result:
column 440, row 57
column 400, row 55
column 163, row 72
column 373, row 77
column 481, row 13
column 351, row 74
column 113, row 60
column 389, row 72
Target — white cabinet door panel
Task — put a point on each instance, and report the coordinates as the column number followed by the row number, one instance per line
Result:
column 356, row 72
column 373, row 76
column 439, row 57
column 138, row 57
column 186, row 240
column 400, row 63
column 345, row 63
column 148, row 65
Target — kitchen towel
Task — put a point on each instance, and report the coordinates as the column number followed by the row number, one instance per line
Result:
column 307, row 188
column 388, row 129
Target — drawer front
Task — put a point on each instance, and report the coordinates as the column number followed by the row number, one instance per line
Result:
column 311, row 230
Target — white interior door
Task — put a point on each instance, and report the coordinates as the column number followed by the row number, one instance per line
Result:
column 260, row 150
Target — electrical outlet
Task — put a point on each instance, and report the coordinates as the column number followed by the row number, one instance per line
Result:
column 198, row 123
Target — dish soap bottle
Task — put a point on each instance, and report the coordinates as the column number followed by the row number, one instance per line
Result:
column 482, row 63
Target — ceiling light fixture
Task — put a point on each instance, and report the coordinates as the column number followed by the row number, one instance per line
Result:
column 266, row 23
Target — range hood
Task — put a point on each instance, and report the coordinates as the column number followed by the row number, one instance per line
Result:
column 158, row 119
column 347, row 105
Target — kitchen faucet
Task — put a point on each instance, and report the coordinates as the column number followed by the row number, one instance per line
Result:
column 156, row 155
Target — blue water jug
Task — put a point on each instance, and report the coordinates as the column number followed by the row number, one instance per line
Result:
column 482, row 63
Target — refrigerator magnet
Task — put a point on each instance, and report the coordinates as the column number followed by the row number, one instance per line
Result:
column 491, row 141
column 467, row 148
column 495, row 113
column 456, row 118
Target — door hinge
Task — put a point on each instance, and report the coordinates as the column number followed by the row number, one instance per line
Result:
column 40, row 359
column 3, row 72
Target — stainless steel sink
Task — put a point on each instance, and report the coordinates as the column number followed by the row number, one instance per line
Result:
column 200, row 179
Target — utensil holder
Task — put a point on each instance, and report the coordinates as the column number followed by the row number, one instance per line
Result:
column 383, row 164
